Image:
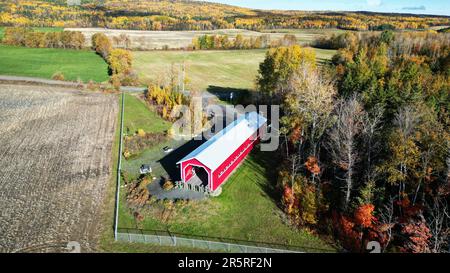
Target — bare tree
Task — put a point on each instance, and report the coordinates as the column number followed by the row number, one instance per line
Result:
column 342, row 141
column 406, row 120
column 387, row 220
column 438, row 223
column 314, row 98
column 370, row 127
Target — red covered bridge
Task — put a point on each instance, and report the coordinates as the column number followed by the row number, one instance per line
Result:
column 217, row 158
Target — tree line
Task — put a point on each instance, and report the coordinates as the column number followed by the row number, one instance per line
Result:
column 194, row 15
column 120, row 61
column 208, row 42
column 365, row 141
column 28, row 37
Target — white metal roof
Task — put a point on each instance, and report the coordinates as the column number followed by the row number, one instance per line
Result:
column 217, row 149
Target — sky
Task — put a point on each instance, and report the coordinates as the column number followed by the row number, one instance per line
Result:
column 437, row 7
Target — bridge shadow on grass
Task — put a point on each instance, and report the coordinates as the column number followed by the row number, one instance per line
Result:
column 169, row 162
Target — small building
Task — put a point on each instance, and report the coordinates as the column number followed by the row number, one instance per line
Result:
column 215, row 160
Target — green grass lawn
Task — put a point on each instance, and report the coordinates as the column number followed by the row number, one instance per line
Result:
column 44, row 62
column 246, row 210
column 305, row 36
column 226, row 69
column 138, row 116
column 107, row 242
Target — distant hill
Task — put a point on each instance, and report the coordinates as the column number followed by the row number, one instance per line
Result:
column 195, row 15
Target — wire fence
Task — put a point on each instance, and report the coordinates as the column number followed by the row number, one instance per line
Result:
column 119, row 168
column 167, row 238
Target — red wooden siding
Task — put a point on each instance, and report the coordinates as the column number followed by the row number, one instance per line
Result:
column 227, row 167
column 186, row 169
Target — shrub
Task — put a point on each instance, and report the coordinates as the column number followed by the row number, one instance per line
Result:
column 72, row 39
column 58, row 76
column 168, row 185
column 15, row 36
column 115, row 81
column 120, row 61
column 91, row 85
column 35, row 39
column 101, row 44
column 141, row 132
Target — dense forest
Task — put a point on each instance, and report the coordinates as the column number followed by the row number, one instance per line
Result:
column 194, row 15
column 365, row 141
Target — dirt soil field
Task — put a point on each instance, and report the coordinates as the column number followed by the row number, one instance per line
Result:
column 55, row 164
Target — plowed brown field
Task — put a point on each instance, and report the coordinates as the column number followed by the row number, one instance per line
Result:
column 55, row 164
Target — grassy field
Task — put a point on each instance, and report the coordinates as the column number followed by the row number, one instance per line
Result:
column 138, row 116
column 247, row 209
column 107, row 242
column 44, row 62
column 304, row 36
column 207, row 69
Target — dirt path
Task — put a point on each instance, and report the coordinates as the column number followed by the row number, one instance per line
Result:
column 55, row 160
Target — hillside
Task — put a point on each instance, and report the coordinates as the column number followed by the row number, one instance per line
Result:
column 194, row 15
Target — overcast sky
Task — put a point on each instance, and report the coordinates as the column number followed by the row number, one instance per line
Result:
column 438, row 7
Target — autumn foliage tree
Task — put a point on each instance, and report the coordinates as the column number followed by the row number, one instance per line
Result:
column 370, row 131
column 101, row 44
column 20, row 36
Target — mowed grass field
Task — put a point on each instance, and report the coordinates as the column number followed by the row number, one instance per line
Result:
column 244, row 211
column 154, row 40
column 138, row 116
column 226, row 69
column 44, row 62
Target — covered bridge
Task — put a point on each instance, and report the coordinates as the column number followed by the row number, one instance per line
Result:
column 217, row 158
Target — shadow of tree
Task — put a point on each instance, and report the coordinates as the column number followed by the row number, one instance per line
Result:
column 240, row 96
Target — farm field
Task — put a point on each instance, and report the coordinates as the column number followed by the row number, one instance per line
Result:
column 205, row 70
column 304, row 36
column 44, row 62
column 151, row 40
column 244, row 210
column 56, row 164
